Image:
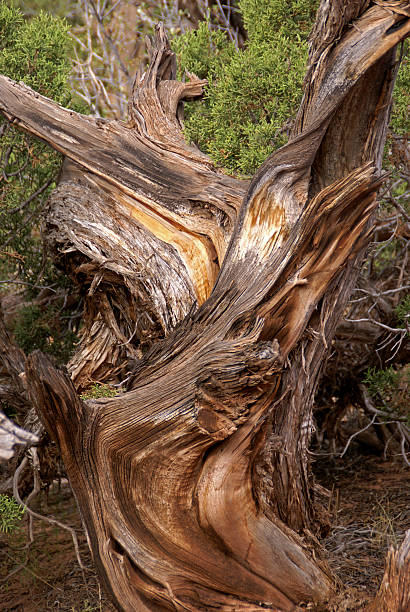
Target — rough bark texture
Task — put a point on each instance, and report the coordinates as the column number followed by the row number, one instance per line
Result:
column 194, row 484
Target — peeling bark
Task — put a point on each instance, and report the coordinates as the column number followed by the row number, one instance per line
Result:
column 218, row 300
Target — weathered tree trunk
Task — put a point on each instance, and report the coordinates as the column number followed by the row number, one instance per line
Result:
column 220, row 300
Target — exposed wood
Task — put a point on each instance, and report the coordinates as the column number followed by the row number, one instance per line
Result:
column 163, row 214
column 394, row 592
column 150, row 520
column 194, row 484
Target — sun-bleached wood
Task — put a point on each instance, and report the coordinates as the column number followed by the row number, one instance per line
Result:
column 11, row 436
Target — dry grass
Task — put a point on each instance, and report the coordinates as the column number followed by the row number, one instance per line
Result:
column 371, row 511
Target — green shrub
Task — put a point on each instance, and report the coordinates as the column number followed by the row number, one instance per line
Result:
column 402, row 310
column 400, row 118
column 99, row 390
column 42, row 327
column 203, row 51
column 11, row 513
column 390, row 390
column 251, row 93
column 36, row 51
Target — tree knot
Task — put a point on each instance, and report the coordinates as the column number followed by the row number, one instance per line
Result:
column 227, row 389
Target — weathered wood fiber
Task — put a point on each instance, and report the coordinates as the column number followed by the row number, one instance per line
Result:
column 220, row 300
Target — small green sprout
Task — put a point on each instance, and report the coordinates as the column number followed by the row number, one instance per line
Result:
column 11, row 513
column 390, row 389
column 99, row 390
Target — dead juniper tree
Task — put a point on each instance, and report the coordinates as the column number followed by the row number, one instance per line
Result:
column 219, row 298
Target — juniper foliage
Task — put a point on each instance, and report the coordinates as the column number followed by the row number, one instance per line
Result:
column 252, row 92
column 37, row 52
column 11, row 514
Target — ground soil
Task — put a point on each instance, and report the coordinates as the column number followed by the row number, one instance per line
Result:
column 370, row 511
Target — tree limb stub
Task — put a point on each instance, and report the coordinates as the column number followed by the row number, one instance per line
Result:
column 394, row 592
column 145, row 171
column 141, row 158
column 165, row 215
column 194, row 485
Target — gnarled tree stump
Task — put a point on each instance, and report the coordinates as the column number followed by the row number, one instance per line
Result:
column 220, row 299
